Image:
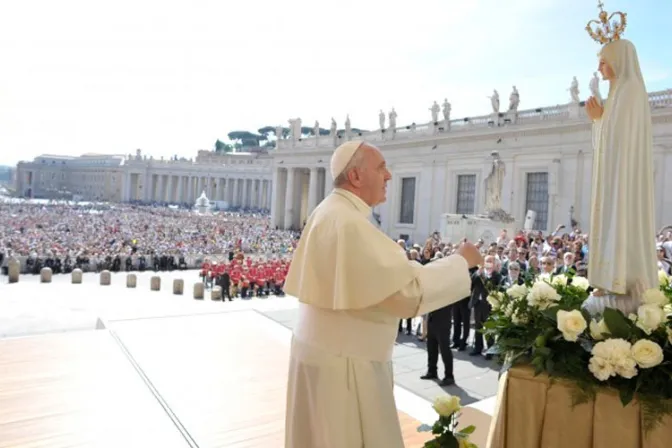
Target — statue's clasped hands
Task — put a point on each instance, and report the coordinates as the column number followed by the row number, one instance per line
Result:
column 594, row 109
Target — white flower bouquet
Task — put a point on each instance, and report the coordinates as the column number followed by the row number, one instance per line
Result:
column 445, row 428
column 543, row 325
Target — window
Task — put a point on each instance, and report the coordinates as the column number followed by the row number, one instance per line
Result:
column 466, row 194
column 537, row 198
column 407, row 206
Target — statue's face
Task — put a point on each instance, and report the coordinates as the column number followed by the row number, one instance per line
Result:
column 606, row 70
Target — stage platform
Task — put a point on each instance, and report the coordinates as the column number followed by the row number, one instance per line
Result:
column 216, row 380
column 92, row 366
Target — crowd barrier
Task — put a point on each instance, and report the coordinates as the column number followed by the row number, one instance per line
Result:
column 192, row 261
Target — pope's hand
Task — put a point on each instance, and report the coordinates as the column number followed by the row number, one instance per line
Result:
column 594, row 109
column 471, row 253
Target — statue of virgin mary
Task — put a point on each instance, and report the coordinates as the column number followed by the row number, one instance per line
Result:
column 622, row 254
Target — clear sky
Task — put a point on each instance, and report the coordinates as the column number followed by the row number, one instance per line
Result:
column 172, row 76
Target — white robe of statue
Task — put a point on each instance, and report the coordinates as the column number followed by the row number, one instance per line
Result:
column 354, row 284
column 622, row 257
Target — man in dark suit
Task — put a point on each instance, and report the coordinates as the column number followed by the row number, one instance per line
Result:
column 483, row 280
column 462, row 320
column 438, row 339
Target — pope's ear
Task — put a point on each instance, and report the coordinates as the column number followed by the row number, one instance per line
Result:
column 354, row 176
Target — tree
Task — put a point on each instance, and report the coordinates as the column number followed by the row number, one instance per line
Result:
column 245, row 138
column 266, row 130
column 220, row 146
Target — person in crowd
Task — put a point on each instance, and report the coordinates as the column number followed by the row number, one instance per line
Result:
column 487, row 278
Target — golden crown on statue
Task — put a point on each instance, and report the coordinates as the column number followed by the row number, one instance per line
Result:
column 607, row 30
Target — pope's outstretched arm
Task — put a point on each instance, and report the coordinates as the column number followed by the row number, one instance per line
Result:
column 437, row 284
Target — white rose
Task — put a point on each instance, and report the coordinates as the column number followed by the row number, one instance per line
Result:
column 519, row 318
column 495, row 300
column 447, row 405
column 542, row 295
column 649, row 317
column 655, row 297
column 580, row 282
column 598, row 329
column 508, row 312
column 667, row 309
column 544, row 277
column 601, row 368
column 663, row 278
column 517, row 291
column 559, row 280
column 571, row 324
column 669, row 334
column 647, row 353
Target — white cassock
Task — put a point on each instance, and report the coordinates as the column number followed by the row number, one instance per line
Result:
column 354, row 284
column 622, row 219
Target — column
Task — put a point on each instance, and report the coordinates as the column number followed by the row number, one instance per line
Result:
column 171, row 186
column 289, row 199
column 328, row 182
column 211, row 188
column 312, row 191
column 159, row 189
column 269, row 191
column 244, row 195
column 147, row 187
column 234, row 198
column 260, row 194
column 229, row 191
column 179, row 199
column 220, row 188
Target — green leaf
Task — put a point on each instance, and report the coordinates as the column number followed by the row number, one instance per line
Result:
column 586, row 344
column 626, row 394
column 542, row 351
column 424, row 428
column 450, row 441
column 586, row 315
column 551, row 313
column 549, row 365
column 618, row 324
column 468, row 430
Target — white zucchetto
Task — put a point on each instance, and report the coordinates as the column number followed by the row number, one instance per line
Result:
column 342, row 156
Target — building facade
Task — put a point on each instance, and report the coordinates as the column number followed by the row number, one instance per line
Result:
column 238, row 179
column 441, row 166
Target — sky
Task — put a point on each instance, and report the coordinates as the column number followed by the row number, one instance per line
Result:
column 171, row 77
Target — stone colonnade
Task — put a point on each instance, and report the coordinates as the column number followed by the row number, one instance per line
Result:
column 171, row 188
column 296, row 193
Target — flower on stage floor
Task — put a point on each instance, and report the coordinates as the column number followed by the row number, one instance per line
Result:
column 444, row 429
column 447, row 405
column 543, row 324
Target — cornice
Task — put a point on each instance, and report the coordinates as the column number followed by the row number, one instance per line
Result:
column 568, row 127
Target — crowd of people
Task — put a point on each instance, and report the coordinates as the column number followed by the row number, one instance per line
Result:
column 245, row 256
column 244, row 277
column 509, row 261
column 93, row 237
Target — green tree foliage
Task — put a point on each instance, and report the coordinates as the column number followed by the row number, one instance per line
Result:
column 220, row 146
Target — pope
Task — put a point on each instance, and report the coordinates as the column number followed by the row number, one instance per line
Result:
column 354, row 283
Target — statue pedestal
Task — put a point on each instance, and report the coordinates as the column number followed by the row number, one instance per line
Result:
column 574, row 110
column 533, row 413
column 455, row 227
